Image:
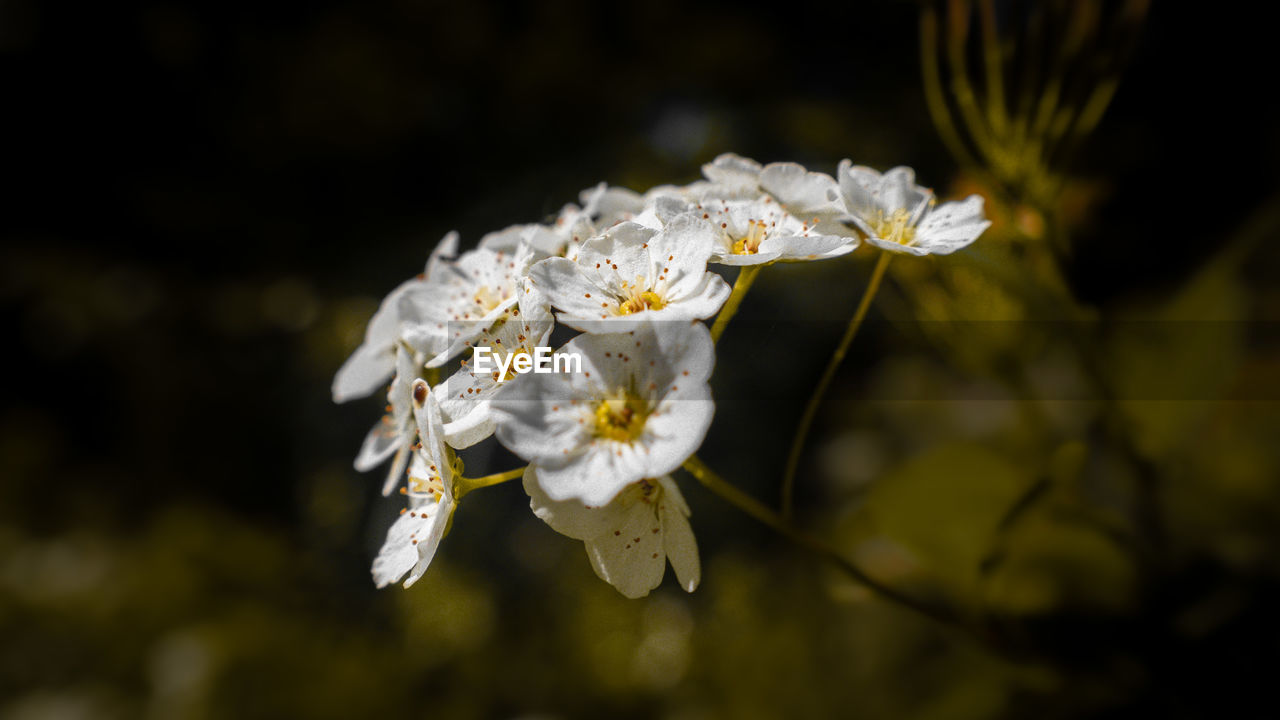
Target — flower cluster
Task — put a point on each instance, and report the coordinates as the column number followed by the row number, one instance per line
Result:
column 635, row 275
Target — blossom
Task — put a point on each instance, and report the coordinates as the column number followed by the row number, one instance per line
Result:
column 733, row 176
column 560, row 238
column 630, row 539
column 471, row 294
column 400, row 318
column 414, row 536
column 899, row 216
column 805, row 193
column 465, row 395
column 639, row 408
column 395, row 432
column 754, row 232
column 752, row 228
column 632, row 272
column 607, row 205
column 728, row 177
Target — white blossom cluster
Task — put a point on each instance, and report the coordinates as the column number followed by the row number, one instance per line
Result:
column 631, row 273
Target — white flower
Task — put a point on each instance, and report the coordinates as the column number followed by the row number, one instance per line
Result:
column 607, row 205
column 414, row 536
column 734, row 176
column 395, row 432
column 751, row 227
column 464, row 396
column 629, row 540
column 633, row 272
column 468, row 296
column 813, row 196
column 754, row 232
column 899, row 216
column 561, row 238
column 728, row 177
column 639, row 409
column 401, row 317
column 540, row 239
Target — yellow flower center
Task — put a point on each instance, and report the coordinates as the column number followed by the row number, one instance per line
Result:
column 621, row 416
column 638, row 301
column 895, row 228
column 749, row 244
column 511, row 365
column 433, row 486
column 487, row 298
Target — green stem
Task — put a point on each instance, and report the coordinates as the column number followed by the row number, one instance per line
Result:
column 466, row 484
column 746, row 276
column 761, row 512
column 819, row 392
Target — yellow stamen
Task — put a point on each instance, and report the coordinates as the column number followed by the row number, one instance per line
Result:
column 487, row 298
column 639, row 301
column 895, row 228
column 433, row 486
column 621, row 416
column 749, row 244
column 511, row 366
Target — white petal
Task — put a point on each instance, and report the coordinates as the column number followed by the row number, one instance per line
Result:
column 860, row 187
column 506, row 240
column 428, row 544
column 609, row 205
column 396, row 471
column 733, row 259
column 446, row 250
column 541, row 240
column 952, row 226
column 663, row 210
column 677, row 428
column 472, row 428
column 630, row 555
column 697, row 302
column 411, row 543
column 595, row 475
column 383, row 440
column 677, row 536
column 811, row 247
column 685, row 346
column 571, row 518
column 899, row 191
column 616, row 258
column 426, row 410
column 536, row 419
column 398, row 554
column 679, row 253
column 606, row 324
column 891, row 246
column 566, row 285
column 737, row 174
column 364, row 372
column 800, row 191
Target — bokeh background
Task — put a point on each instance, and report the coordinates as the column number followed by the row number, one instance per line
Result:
column 1068, row 434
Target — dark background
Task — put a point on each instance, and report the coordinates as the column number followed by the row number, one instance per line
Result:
column 205, row 202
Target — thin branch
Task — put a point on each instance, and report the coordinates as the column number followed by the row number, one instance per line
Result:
column 820, row 391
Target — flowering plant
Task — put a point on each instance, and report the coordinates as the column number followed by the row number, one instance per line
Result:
column 635, row 275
